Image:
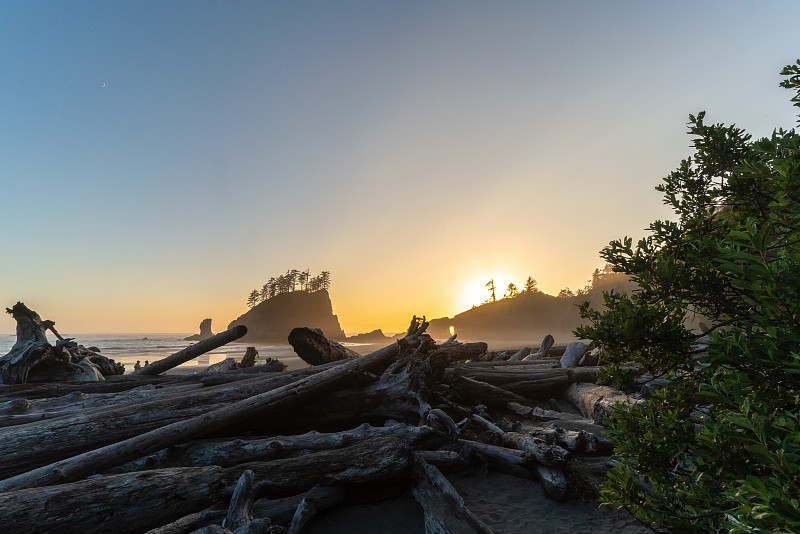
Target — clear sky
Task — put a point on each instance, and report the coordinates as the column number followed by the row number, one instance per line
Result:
column 161, row 159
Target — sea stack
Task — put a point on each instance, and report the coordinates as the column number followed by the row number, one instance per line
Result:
column 271, row 320
column 205, row 332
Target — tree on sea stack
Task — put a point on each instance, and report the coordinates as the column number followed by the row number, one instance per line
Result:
column 531, row 285
column 719, row 447
column 252, row 300
column 512, row 290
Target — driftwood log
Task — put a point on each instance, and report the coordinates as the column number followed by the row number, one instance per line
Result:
column 226, row 453
column 256, row 445
column 444, row 509
column 87, row 506
column 106, row 504
column 104, row 458
column 193, row 351
column 595, row 401
column 315, row 349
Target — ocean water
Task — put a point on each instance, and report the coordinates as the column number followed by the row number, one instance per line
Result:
column 127, row 348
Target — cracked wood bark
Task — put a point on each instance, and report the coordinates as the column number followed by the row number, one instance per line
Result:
column 226, row 453
column 36, row 444
column 315, row 349
column 268, row 366
column 193, row 351
column 240, row 511
column 368, row 461
column 21, row 411
column 444, row 509
column 595, row 401
column 106, row 504
column 113, row 384
column 114, row 454
column 485, row 393
column 532, row 381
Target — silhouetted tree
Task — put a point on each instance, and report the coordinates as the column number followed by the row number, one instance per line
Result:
column 566, row 293
column 490, row 285
column 325, row 279
column 252, row 300
column 531, row 285
column 512, row 290
column 264, row 293
column 303, row 278
column 294, row 276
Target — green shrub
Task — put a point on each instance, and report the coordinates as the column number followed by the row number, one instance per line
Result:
column 719, row 448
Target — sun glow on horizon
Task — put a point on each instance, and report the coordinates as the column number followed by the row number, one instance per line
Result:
column 476, row 292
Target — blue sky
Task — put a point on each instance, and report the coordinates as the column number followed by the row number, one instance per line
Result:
column 159, row 160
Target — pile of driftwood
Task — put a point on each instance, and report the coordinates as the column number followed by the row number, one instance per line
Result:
column 259, row 449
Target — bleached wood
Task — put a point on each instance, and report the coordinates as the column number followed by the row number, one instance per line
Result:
column 444, row 509
column 104, row 458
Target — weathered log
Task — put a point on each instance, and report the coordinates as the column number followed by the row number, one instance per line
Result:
column 496, row 452
column 305, row 511
column 444, row 509
column 595, row 440
column 270, row 365
column 547, row 344
column 282, row 510
column 486, row 393
column 315, row 349
column 571, row 440
column 249, row 358
column 191, row 522
column 226, row 365
column 226, row 453
column 113, row 384
column 193, row 351
column 573, row 354
column 101, row 459
column 591, row 358
column 546, row 454
column 100, row 504
column 520, row 354
column 530, row 381
column 105, row 504
column 36, row 444
column 368, row 461
column 453, row 352
column 240, row 511
column 553, row 482
column 22, row 411
column 595, row 401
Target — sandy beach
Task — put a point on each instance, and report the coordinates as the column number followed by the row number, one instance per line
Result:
column 506, row 504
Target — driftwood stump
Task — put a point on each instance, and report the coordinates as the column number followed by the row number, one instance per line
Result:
column 34, row 359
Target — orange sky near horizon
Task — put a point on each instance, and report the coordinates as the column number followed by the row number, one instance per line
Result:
column 163, row 159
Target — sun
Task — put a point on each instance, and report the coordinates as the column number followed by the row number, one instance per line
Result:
column 475, row 292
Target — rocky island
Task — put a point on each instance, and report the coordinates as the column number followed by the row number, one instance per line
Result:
column 271, row 321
